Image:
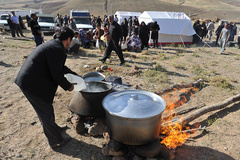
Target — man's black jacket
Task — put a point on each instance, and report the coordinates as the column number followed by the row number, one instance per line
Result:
column 34, row 27
column 115, row 31
column 44, row 70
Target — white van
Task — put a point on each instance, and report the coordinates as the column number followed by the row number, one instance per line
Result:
column 3, row 22
column 82, row 19
column 46, row 22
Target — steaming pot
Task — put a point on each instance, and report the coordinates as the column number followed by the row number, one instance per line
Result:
column 88, row 102
column 134, row 116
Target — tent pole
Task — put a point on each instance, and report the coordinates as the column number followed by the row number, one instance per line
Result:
column 204, row 41
column 182, row 41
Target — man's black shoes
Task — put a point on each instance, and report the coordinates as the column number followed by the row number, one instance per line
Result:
column 120, row 64
column 102, row 60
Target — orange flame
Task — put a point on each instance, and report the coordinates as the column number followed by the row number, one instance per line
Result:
column 174, row 135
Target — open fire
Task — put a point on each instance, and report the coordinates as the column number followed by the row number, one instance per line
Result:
column 174, row 136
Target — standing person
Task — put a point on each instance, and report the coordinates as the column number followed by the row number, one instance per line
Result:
column 144, row 33
column 94, row 22
column 39, row 78
column 21, row 22
column 115, row 41
column 218, row 32
column 99, row 20
column 210, row 28
column 98, row 35
column 129, row 26
column 28, row 20
column 155, row 28
column 124, row 27
column 116, row 19
column 36, row 30
column 10, row 24
column 105, row 19
column 65, row 20
column 61, row 20
column 204, row 30
column 57, row 19
column 135, row 25
column 16, row 25
column 233, row 32
column 72, row 24
column 197, row 28
column 224, row 37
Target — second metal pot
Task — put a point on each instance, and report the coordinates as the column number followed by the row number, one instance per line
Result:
column 134, row 116
column 88, row 102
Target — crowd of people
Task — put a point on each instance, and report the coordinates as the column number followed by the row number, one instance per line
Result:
column 134, row 35
column 225, row 33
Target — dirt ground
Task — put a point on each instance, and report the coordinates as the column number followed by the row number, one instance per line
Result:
column 21, row 134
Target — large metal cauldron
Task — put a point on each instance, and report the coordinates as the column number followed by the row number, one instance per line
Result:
column 134, row 116
column 88, row 102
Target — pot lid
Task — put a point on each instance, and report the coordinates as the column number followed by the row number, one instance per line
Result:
column 93, row 76
column 134, row 104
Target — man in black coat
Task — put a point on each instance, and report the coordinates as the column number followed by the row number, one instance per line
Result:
column 39, row 78
column 10, row 24
column 115, row 42
column 36, row 30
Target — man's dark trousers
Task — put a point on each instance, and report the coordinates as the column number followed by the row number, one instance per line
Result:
column 45, row 113
column 113, row 46
column 38, row 39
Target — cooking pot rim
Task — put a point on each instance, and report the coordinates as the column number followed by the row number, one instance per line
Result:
column 109, row 85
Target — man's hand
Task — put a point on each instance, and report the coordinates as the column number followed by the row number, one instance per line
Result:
column 120, row 43
column 72, row 87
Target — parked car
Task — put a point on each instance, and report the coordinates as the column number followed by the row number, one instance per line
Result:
column 3, row 22
column 47, row 23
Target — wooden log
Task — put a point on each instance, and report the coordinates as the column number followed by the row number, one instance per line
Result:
column 180, row 86
column 197, row 113
column 181, row 111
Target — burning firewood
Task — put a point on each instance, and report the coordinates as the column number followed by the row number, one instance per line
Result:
column 182, row 111
column 188, row 118
column 180, row 86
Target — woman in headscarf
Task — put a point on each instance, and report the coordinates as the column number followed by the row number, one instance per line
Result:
column 144, row 33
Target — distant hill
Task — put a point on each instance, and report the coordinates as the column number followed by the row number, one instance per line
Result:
column 223, row 9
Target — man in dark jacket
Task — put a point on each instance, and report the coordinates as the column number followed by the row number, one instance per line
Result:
column 36, row 30
column 39, row 78
column 115, row 41
column 10, row 24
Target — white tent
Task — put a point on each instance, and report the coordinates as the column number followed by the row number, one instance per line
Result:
column 124, row 14
column 175, row 27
